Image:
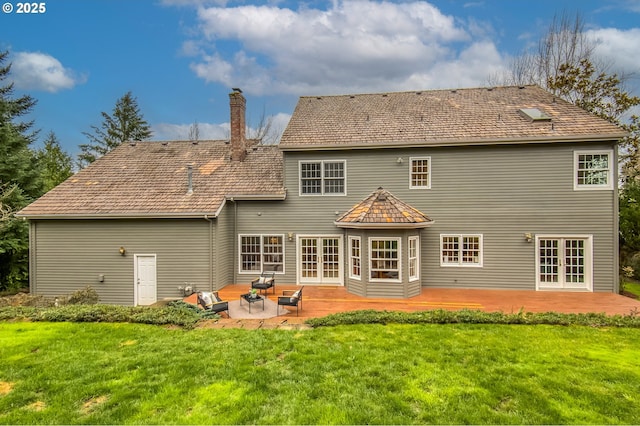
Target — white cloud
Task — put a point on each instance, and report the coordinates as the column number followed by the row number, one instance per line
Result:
column 620, row 47
column 180, row 132
column 39, row 71
column 357, row 45
column 209, row 131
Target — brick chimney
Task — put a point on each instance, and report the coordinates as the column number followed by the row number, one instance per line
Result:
column 238, row 106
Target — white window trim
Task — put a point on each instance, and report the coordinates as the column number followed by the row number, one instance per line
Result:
column 399, row 259
column 460, row 264
column 588, row 259
column 322, row 194
column 411, row 186
column 583, row 187
column 351, row 258
column 241, row 272
column 417, row 258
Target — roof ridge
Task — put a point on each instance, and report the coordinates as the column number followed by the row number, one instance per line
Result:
column 451, row 89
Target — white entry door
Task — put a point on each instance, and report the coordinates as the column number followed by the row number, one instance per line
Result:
column 564, row 263
column 320, row 259
column 145, row 279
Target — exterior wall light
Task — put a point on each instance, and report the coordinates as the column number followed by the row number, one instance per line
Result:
column 399, row 160
column 122, row 251
column 528, row 237
column 290, row 236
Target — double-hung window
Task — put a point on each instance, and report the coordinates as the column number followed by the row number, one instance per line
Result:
column 355, row 256
column 261, row 253
column 461, row 250
column 414, row 258
column 323, row 177
column 593, row 170
column 420, row 173
column 384, row 258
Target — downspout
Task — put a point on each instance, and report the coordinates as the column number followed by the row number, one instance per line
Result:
column 206, row 217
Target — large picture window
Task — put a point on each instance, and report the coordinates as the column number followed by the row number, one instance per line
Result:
column 323, row 177
column 261, row 253
column 384, row 257
column 461, row 250
column 593, row 170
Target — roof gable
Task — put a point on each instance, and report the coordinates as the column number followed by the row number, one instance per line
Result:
column 439, row 117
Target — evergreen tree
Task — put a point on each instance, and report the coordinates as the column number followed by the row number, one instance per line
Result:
column 55, row 163
column 20, row 181
column 125, row 124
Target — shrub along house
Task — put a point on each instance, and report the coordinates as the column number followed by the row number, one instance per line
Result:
column 386, row 194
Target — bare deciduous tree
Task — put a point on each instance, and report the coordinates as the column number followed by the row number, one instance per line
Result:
column 565, row 42
column 194, row 132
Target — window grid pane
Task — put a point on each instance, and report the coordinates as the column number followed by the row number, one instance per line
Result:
column 593, row 169
column 574, row 261
column 355, row 258
column 413, row 258
column 330, row 258
column 334, row 178
column 311, row 178
column 384, row 260
column 461, row 250
column 549, row 261
column 471, row 250
column 250, row 253
column 273, row 251
column 322, row 177
column 450, row 249
column 309, row 249
column 420, row 173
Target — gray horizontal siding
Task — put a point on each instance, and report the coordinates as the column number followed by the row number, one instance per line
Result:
column 70, row 254
column 223, row 248
column 500, row 192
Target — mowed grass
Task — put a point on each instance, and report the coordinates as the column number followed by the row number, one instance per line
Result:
column 92, row 373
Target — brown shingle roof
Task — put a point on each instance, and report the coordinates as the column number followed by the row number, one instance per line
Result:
column 150, row 178
column 382, row 209
column 439, row 117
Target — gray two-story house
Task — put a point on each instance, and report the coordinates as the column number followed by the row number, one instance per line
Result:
column 386, row 194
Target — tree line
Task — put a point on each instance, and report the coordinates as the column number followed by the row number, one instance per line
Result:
column 27, row 173
column 564, row 63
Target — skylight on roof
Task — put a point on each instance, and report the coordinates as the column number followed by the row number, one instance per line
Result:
column 534, row 114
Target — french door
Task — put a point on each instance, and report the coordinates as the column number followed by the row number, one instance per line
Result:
column 320, row 259
column 564, row 262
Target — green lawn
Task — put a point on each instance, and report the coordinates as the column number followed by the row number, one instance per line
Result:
column 632, row 287
column 92, row 373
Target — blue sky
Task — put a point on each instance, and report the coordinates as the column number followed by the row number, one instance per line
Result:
column 181, row 58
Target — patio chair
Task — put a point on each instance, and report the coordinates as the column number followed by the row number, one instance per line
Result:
column 290, row 298
column 264, row 282
column 210, row 301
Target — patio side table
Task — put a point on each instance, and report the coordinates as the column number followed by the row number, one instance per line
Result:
column 251, row 300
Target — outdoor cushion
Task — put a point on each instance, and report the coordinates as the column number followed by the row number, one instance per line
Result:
column 207, row 298
column 295, row 296
column 262, row 280
column 216, row 298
